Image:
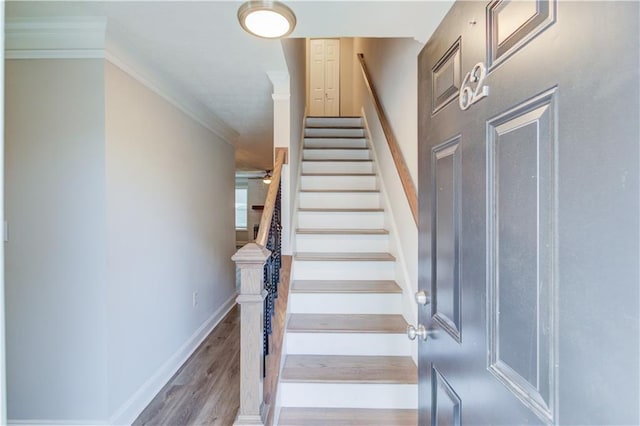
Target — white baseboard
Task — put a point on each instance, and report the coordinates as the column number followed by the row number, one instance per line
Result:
column 132, row 408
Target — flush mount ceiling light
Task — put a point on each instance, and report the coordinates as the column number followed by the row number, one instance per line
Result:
column 267, row 177
column 266, row 19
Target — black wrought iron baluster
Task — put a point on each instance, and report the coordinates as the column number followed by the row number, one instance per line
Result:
column 272, row 271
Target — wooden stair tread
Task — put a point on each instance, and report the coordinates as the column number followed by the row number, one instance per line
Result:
column 338, row 210
column 338, row 174
column 347, row 257
column 349, row 369
column 337, row 160
column 333, row 116
column 362, row 138
column 323, row 231
column 346, row 323
column 331, row 127
column 324, row 416
column 333, row 137
column 340, row 286
column 341, row 190
column 324, row 148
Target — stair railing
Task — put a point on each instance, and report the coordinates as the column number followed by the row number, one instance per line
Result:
column 394, row 147
column 259, row 265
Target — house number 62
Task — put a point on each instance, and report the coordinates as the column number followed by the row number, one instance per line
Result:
column 470, row 95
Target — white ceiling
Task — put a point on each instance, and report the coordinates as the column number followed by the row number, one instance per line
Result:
column 199, row 47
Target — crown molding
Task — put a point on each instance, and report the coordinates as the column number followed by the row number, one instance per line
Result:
column 169, row 92
column 88, row 38
column 64, row 38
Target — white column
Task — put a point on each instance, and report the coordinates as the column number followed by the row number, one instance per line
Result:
column 251, row 259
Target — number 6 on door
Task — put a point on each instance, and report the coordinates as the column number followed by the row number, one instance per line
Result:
column 468, row 95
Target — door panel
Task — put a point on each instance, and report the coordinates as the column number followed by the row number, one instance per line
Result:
column 332, row 78
column 512, row 24
column 324, row 77
column 446, row 402
column 445, row 80
column 529, row 207
column 445, row 217
column 316, row 78
column 521, row 251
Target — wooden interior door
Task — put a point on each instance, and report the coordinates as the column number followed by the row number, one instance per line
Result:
column 529, row 210
column 324, row 77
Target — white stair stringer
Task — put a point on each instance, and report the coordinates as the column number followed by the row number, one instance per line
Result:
column 346, row 345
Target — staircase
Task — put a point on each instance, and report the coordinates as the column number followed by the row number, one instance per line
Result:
column 348, row 359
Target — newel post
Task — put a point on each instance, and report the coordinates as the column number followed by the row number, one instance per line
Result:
column 251, row 259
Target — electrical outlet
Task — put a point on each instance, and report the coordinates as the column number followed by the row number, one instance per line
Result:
column 195, row 299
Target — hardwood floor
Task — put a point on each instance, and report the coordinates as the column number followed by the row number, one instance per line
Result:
column 206, row 389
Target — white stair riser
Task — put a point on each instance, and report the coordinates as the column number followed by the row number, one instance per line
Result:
column 335, row 143
column 334, row 121
column 336, row 154
column 338, row 182
column 311, row 132
column 348, row 395
column 337, row 167
column 341, row 220
column 370, row 344
column 345, row 303
column 343, row 270
column 345, row 200
column 342, row 243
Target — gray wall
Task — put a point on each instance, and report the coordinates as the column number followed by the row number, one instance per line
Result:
column 295, row 53
column 170, row 227
column 392, row 64
column 56, row 255
column 120, row 206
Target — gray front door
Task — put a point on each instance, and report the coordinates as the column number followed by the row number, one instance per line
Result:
column 529, row 214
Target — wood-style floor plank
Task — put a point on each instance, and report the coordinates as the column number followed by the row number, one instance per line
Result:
column 292, row 416
column 206, row 389
column 349, row 369
column 346, row 323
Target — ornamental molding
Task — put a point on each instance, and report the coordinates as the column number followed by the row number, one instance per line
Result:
column 89, row 38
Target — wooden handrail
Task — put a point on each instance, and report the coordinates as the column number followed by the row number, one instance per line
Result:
column 398, row 159
column 270, row 202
